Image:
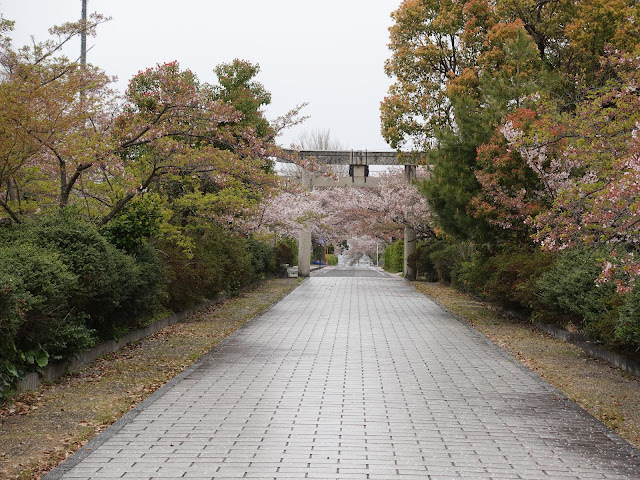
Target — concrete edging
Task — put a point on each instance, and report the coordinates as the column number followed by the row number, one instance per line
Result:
column 582, row 341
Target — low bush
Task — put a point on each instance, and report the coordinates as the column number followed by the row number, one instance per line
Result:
column 447, row 259
column 627, row 330
column 423, row 263
column 394, row 257
column 221, row 262
column 116, row 291
column 568, row 292
column 227, row 259
column 332, row 259
column 509, row 277
column 185, row 276
column 63, row 287
column 553, row 288
column 36, row 304
column 284, row 254
column 263, row 260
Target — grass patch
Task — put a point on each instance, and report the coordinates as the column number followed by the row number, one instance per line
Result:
column 40, row 429
column 606, row 392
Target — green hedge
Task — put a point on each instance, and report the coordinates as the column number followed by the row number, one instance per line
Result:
column 425, row 268
column 37, row 289
column 285, row 254
column 627, row 329
column 394, row 257
column 448, row 259
column 63, row 287
column 110, row 287
column 263, row 259
column 559, row 289
column 221, row 262
column 509, row 277
column 568, row 293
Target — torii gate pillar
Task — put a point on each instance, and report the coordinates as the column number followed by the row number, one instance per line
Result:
column 304, row 251
column 304, row 236
column 409, row 233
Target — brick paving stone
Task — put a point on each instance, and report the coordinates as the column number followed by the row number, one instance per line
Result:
column 355, row 375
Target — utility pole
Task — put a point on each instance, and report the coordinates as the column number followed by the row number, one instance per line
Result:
column 83, row 35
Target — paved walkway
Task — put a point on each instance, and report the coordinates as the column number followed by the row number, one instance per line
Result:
column 354, row 375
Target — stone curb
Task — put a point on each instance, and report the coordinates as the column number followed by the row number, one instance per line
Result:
column 582, row 341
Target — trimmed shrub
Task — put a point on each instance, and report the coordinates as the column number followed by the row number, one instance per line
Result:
column 394, row 257
column 447, row 259
column 185, row 276
column 263, row 260
column 628, row 329
column 226, row 257
column 115, row 292
column 220, row 263
column 332, row 259
column 423, row 263
column 568, row 292
column 37, row 317
column 148, row 283
column 508, row 278
column 284, row 254
column 289, row 244
column 36, row 293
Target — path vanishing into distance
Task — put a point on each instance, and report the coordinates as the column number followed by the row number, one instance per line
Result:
column 355, row 375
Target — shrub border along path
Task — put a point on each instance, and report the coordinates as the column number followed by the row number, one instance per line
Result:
column 43, row 427
column 606, row 392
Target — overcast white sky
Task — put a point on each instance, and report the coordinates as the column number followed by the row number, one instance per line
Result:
column 328, row 53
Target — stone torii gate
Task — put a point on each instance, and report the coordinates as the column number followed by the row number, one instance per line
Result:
column 359, row 162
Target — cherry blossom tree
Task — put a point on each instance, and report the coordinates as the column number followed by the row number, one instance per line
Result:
column 53, row 117
column 336, row 214
column 380, row 212
column 68, row 138
column 60, row 120
column 283, row 210
column 588, row 166
column 513, row 189
column 172, row 124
